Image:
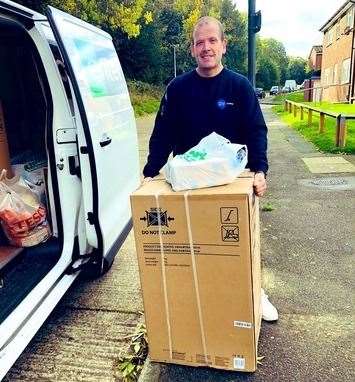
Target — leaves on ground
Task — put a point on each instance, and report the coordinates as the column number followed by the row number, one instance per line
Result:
column 267, row 207
column 131, row 364
column 259, row 359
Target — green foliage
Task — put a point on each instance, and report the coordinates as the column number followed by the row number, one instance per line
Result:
column 267, row 207
column 110, row 14
column 235, row 25
column 145, row 98
column 268, row 73
column 272, row 63
column 131, row 364
column 325, row 141
column 297, row 69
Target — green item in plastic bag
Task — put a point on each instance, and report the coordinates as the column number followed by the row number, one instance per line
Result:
column 195, row 155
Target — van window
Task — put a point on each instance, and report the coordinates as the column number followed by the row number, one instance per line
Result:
column 100, row 69
column 99, row 74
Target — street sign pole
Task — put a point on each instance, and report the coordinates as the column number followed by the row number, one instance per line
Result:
column 174, row 61
column 254, row 25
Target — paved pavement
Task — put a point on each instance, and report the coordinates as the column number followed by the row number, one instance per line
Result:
column 307, row 247
column 82, row 339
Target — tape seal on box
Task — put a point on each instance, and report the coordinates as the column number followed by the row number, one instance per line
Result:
column 194, row 271
column 166, row 302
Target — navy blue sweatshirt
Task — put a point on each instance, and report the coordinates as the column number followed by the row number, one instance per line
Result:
column 195, row 106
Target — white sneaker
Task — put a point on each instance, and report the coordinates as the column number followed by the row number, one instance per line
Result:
column 269, row 312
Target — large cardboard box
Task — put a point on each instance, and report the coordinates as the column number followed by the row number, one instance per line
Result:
column 4, row 147
column 199, row 262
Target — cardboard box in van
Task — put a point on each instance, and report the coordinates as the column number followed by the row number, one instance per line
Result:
column 4, row 146
column 199, row 262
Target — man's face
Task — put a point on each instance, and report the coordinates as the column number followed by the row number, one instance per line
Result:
column 208, row 47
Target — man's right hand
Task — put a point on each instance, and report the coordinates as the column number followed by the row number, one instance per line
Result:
column 146, row 180
column 259, row 184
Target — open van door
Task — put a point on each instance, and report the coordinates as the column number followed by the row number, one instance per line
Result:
column 106, row 130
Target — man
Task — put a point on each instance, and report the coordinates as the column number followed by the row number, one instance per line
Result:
column 211, row 98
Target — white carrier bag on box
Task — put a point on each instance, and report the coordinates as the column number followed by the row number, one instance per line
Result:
column 213, row 162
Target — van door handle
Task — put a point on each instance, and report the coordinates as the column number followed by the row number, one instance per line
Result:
column 106, row 142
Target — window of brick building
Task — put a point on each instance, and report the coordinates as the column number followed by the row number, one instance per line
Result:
column 337, row 30
column 326, row 77
column 350, row 18
column 345, row 71
column 325, row 43
column 331, row 76
column 330, row 36
column 335, row 78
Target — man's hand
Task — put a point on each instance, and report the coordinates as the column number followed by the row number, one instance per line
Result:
column 146, row 180
column 259, row 184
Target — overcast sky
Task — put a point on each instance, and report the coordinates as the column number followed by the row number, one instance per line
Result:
column 294, row 22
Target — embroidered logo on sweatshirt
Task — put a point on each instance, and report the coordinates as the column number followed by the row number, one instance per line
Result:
column 222, row 104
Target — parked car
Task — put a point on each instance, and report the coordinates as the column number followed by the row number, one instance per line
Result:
column 286, row 89
column 65, row 101
column 260, row 93
column 274, row 90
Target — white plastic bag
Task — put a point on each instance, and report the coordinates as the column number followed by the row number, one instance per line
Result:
column 214, row 161
column 22, row 216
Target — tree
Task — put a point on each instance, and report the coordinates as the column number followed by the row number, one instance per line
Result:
column 297, row 69
column 277, row 52
column 271, row 50
column 128, row 16
column 235, row 25
column 268, row 73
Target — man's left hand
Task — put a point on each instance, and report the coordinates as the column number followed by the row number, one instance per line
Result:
column 259, row 184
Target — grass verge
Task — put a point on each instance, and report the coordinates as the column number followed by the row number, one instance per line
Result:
column 145, row 98
column 295, row 97
column 325, row 141
column 341, row 108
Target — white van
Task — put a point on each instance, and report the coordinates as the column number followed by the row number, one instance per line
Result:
column 65, row 102
column 291, row 84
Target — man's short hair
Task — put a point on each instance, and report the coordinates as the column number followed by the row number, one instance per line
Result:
column 207, row 20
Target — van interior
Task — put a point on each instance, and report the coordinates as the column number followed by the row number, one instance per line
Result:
column 26, row 114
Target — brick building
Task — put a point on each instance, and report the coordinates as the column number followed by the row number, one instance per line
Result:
column 315, row 58
column 337, row 73
column 313, row 85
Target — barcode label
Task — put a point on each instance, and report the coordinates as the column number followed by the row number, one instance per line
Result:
column 243, row 324
column 239, row 363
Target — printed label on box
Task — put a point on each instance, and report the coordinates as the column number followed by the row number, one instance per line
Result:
column 230, row 233
column 243, row 324
column 239, row 363
column 229, row 215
